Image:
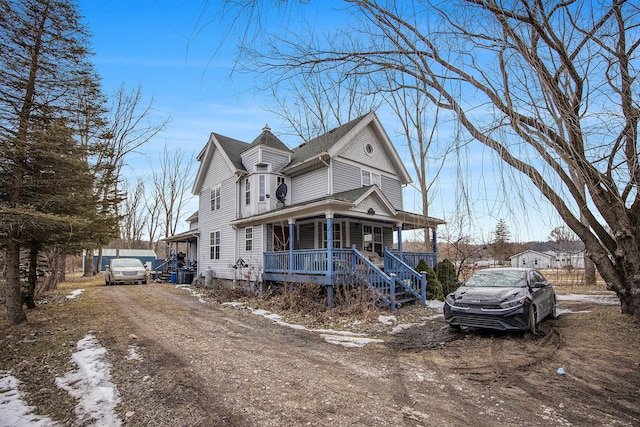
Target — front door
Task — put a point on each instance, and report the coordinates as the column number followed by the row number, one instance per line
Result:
column 280, row 238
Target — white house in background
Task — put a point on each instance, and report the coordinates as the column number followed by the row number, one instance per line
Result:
column 308, row 214
column 548, row 259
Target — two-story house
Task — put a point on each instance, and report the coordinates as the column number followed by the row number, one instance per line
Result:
column 323, row 212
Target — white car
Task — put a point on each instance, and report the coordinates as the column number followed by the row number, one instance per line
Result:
column 125, row 270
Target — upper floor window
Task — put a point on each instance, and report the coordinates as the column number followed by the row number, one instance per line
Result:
column 247, row 191
column 280, row 180
column 262, row 188
column 248, row 238
column 214, row 245
column 215, row 198
column 370, row 178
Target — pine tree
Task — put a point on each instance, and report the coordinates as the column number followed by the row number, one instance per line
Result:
column 43, row 68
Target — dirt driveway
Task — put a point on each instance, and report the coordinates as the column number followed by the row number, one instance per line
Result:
column 203, row 363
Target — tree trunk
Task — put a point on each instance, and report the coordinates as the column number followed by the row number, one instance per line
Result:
column 98, row 266
column 89, row 267
column 589, row 272
column 15, row 313
column 62, row 264
column 29, row 296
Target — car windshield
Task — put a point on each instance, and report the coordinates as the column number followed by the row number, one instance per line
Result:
column 512, row 279
column 126, row 263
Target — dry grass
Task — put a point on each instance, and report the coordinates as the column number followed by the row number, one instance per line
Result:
column 40, row 350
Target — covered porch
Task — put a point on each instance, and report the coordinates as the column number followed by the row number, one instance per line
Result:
column 338, row 241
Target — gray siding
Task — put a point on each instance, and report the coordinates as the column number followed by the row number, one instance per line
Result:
column 387, row 237
column 306, row 232
column 277, row 161
column 392, row 190
column 249, row 160
column 309, row 186
column 355, row 151
column 345, row 176
column 355, row 234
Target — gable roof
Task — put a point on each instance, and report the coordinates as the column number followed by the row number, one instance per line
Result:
column 321, row 144
column 230, row 150
column 335, row 141
column 329, row 144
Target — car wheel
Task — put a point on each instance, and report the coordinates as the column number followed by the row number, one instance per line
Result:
column 554, row 310
column 531, row 325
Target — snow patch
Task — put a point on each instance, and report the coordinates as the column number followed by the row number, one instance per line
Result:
column 595, row 299
column 75, row 293
column 13, row 410
column 434, row 304
column 133, row 353
column 344, row 338
column 192, row 291
column 387, row 320
column 91, row 384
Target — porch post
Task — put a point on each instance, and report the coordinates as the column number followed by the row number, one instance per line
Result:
column 330, row 259
column 435, row 243
column 186, row 254
column 291, row 240
column 399, row 240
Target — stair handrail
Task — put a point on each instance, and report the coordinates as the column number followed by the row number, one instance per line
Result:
column 375, row 279
column 405, row 276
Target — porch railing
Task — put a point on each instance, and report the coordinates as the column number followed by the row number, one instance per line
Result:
column 413, row 258
column 347, row 264
column 405, row 276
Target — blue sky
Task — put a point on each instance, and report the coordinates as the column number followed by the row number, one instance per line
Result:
column 162, row 46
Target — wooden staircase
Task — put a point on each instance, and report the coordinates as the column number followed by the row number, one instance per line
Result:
column 396, row 286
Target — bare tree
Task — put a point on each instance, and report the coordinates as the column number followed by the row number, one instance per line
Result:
column 313, row 104
column 550, row 88
column 134, row 216
column 170, row 186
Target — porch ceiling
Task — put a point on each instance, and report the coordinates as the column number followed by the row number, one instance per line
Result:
column 182, row 237
column 362, row 203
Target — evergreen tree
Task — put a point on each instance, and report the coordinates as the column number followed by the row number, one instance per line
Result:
column 447, row 275
column 434, row 287
column 43, row 68
column 500, row 247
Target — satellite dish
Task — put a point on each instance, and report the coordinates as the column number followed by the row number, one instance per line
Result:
column 281, row 192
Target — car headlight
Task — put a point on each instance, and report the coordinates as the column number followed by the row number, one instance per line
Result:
column 449, row 299
column 514, row 303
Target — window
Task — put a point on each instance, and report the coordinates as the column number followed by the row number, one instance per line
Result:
column 368, row 149
column 247, row 191
column 263, row 188
column 214, row 245
column 248, row 238
column 215, row 198
column 372, row 239
column 337, row 235
column 370, row 178
column 279, row 180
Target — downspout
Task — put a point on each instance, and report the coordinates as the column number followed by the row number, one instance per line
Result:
column 329, row 172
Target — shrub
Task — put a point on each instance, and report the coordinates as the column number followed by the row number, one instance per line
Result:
column 447, row 275
column 434, row 287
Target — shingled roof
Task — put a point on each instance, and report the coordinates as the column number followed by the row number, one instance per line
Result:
column 269, row 139
column 233, row 148
column 322, row 143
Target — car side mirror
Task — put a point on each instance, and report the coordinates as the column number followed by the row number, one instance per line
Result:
column 539, row 284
